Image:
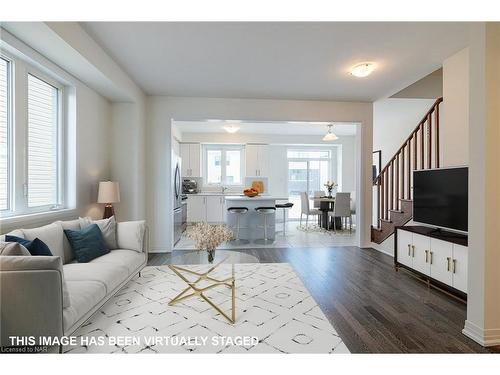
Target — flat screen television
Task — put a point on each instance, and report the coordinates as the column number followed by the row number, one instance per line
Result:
column 440, row 197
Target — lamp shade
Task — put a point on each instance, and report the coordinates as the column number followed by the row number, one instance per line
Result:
column 109, row 192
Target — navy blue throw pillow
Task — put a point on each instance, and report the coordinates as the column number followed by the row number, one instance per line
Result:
column 87, row 244
column 35, row 247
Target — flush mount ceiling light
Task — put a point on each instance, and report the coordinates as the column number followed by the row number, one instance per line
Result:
column 230, row 128
column 363, row 69
column 329, row 136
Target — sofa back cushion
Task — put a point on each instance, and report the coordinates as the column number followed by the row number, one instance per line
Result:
column 52, row 235
column 15, row 232
column 130, row 235
column 87, row 243
column 35, row 247
column 69, row 256
column 107, row 227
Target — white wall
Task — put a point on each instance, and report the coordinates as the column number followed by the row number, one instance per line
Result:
column 394, row 120
column 454, row 111
column 483, row 304
column 161, row 110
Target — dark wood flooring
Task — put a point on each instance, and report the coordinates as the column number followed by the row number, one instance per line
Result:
column 374, row 308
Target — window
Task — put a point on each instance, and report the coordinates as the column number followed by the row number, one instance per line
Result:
column 5, row 132
column 223, row 164
column 32, row 167
column 43, row 145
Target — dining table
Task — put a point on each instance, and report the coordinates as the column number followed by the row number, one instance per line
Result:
column 326, row 204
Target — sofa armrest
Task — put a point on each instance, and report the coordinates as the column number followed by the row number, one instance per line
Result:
column 133, row 235
column 31, row 297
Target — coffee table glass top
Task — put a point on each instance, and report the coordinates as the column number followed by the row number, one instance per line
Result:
column 201, row 257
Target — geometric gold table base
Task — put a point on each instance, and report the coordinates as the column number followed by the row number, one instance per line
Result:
column 198, row 292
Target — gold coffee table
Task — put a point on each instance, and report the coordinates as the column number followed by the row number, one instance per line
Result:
column 193, row 290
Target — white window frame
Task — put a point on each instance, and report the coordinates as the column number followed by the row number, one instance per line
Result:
column 10, row 138
column 18, row 153
column 223, row 148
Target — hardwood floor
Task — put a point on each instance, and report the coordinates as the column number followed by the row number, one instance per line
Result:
column 374, row 308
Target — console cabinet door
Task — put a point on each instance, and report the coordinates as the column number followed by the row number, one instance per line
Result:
column 421, row 254
column 442, row 253
column 405, row 241
column 459, row 267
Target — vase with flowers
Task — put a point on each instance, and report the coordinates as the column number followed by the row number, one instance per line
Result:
column 330, row 185
column 208, row 237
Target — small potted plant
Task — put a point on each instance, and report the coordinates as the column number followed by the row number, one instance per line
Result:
column 208, row 237
column 330, row 185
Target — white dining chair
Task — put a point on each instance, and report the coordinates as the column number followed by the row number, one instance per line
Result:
column 342, row 209
column 317, row 203
column 305, row 209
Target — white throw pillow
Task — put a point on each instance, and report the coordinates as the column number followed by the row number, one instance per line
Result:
column 130, row 235
column 107, row 227
column 13, row 249
column 51, row 234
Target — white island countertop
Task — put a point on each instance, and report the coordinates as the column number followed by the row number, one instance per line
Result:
column 257, row 198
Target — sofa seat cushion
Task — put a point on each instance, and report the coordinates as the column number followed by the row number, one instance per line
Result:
column 84, row 296
column 109, row 274
column 126, row 258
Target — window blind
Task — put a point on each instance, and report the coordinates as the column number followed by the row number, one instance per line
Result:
column 42, row 143
column 4, row 134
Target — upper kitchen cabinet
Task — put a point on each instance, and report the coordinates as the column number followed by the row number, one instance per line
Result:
column 257, row 159
column 190, row 155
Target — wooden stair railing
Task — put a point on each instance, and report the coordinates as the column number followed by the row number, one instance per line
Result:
column 394, row 182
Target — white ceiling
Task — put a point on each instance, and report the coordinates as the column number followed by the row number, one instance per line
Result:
column 288, row 128
column 277, row 60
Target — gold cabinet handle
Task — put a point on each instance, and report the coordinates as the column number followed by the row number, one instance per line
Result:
column 426, row 256
column 413, row 251
column 454, row 265
column 448, row 260
column 432, row 253
column 409, row 249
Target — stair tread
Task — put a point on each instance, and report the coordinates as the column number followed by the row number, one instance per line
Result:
column 398, row 211
column 405, row 200
column 385, row 220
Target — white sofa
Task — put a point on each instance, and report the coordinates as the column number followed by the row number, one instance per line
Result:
column 54, row 295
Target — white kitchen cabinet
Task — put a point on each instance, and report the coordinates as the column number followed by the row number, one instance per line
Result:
column 191, row 159
column 206, row 208
column 441, row 259
column 257, row 160
column 215, row 207
column 196, row 208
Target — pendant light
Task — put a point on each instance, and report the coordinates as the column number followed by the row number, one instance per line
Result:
column 329, row 136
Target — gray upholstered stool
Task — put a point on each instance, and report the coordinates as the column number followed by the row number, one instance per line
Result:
column 284, row 206
column 265, row 212
column 238, row 211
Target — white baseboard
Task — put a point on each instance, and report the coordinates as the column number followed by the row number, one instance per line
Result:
column 381, row 249
column 484, row 337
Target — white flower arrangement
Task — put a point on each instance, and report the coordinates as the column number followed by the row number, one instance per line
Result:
column 208, row 237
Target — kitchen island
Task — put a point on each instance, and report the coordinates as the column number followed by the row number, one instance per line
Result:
column 250, row 222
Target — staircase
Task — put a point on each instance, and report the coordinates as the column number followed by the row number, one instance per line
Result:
column 394, row 204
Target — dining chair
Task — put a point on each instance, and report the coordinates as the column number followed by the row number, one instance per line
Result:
column 317, row 203
column 353, row 206
column 305, row 209
column 342, row 209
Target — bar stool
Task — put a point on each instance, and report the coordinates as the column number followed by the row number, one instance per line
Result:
column 284, row 206
column 238, row 211
column 265, row 211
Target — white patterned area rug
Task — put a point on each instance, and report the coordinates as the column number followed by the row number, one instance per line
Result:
column 274, row 314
